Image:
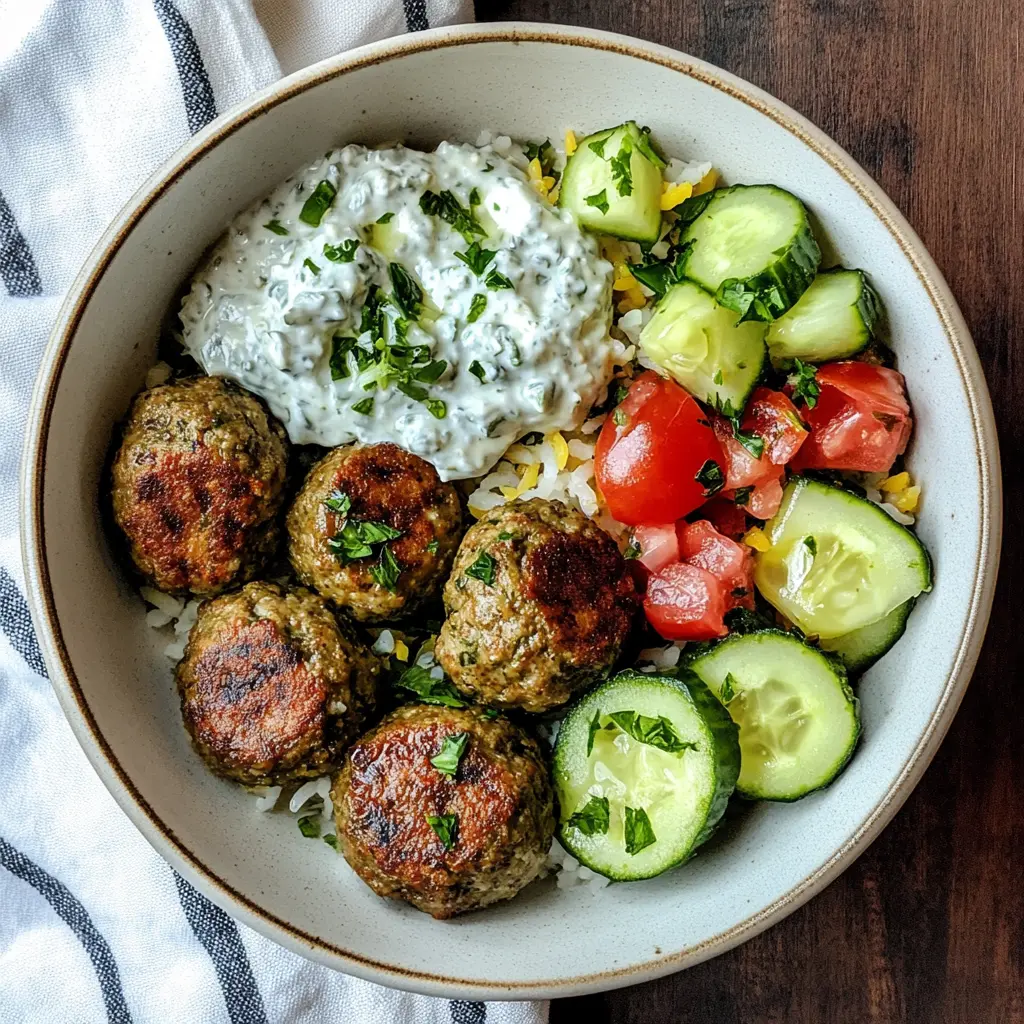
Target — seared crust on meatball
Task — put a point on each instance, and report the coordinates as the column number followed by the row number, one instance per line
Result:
column 197, row 484
column 501, row 798
column 388, row 485
column 539, row 603
column 273, row 688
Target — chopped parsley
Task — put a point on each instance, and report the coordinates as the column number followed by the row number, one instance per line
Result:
column 718, row 377
column 474, row 197
column 431, row 372
column 660, row 275
column 436, row 408
column 317, row 204
column 476, row 307
column 593, row 818
column 447, row 828
column 343, row 252
column 338, row 502
column 309, row 826
column 593, row 730
column 655, row 732
column 491, row 714
column 598, row 147
column 276, row 226
column 419, row 681
column 804, row 383
column 638, row 832
column 408, row 294
column 729, row 690
column 598, row 199
column 483, row 569
column 620, row 417
column 710, row 477
column 505, row 535
column 544, row 154
column 310, row 266
column 447, row 759
column 387, row 570
column 753, row 443
column 742, row 495
column 476, row 368
column 331, row 840
column 451, row 211
column 476, row 258
column 358, row 539
column 622, row 173
column 385, row 218
column 496, row 281
column 433, row 547
column 364, row 406
column 632, row 549
column 811, row 544
column 340, row 348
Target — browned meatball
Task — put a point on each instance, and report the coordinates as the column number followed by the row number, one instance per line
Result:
column 382, row 484
column 496, row 812
column 539, row 602
column 197, row 484
column 273, row 688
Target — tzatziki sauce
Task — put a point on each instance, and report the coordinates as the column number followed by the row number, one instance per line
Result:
column 435, row 300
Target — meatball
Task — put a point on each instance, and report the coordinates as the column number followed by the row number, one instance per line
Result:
column 197, row 484
column 347, row 492
column 273, row 688
column 446, row 843
column 539, row 602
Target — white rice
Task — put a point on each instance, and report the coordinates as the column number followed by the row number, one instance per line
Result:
column 571, row 873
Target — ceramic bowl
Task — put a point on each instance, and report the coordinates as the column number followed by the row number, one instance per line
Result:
column 528, row 81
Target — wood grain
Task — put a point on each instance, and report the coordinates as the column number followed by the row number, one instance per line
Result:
column 928, row 95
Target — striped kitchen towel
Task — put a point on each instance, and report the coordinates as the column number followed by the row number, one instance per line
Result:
column 94, row 926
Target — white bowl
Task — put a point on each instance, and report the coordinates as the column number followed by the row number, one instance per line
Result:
column 115, row 686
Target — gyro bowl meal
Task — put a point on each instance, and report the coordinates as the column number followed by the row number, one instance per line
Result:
column 514, row 507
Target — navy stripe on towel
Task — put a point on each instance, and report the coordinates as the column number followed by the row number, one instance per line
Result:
column 17, row 267
column 416, row 15
column 76, row 917
column 219, row 937
column 465, row 1012
column 17, row 623
column 200, row 107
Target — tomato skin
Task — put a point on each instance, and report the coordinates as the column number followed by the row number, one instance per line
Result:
column 646, row 467
column 861, row 421
column 732, row 564
column 685, row 602
column 658, row 545
column 774, row 418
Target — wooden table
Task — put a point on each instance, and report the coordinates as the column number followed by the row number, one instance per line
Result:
column 928, row 95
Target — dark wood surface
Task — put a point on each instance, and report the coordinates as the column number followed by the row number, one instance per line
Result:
column 928, row 95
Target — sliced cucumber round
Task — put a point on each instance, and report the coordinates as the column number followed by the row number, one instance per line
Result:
column 612, row 183
column 644, row 766
column 837, row 562
column 834, row 319
column 700, row 344
column 753, row 249
column 799, row 720
column 860, row 649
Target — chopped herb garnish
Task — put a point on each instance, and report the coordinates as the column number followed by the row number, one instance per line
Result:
column 436, row 408
column 476, row 307
column 476, row 368
column 310, row 266
column 742, row 495
column 386, row 572
column 660, row 275
column 357, row 539
column 491, row 714
column 638, row 832
column 811, row 544
column 598, row 147
column 718, row 377
column 276, row 226
column 804, row 384
column 531, row 438
column 620, row 417
column 364, row 406
column 496, row 281
column 447, row 828
column 340, row 348
column 433, row 547
column 476, row 258
column 419, row 681
column 338, row 502
column 386, row 218
column 452, row 212
column 622, row 173
column 317, row 204
column 408, row 294
column 710, row 477
column 447, row 759
column 753, row 443
column 309, row 826
column 331, row 840
column 429, row 374
column 632, row 549
column 655, row 732
column 598, row 199
column 593, row 730
column 474, row 197
column 482, row 569
column 343, row 252
column 728, row 691
column 505, row 535
column 593, row 818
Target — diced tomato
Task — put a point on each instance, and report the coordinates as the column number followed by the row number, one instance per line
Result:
column 732, row 564
column 774, row 418
column 650, row 451
column 726, row 516
column 658, row 545
column 861, row 421
column 685, row 602
column 766, row 497
column 741, row 468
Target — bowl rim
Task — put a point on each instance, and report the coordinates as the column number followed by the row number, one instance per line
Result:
column 72, row 697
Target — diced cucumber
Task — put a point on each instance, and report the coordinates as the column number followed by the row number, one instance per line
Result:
column 837, row 562
column 799, row 720
column 680, row 775
column 833, row 319
column 753, row 249
column 612, row 183
column 860, row 649
column 700, row 344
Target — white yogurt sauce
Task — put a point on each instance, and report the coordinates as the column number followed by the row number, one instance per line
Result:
column 265, row 306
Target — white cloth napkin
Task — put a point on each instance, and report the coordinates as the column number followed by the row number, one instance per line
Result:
column 94, row 926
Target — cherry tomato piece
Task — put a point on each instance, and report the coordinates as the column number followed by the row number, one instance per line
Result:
column 771, row 416
column 732, row 564
column 685, row 602
column 726, row 516
column 658, row 545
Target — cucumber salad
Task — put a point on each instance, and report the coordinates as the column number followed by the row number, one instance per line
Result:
column 749, row 461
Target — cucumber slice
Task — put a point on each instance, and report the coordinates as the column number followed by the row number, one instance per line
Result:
column 860, row 649
column 681, row 777
column 606, row 200
column 837, row 562
column 799, row 720
column 753, row 249
column 700, row 344
column 834, row 319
